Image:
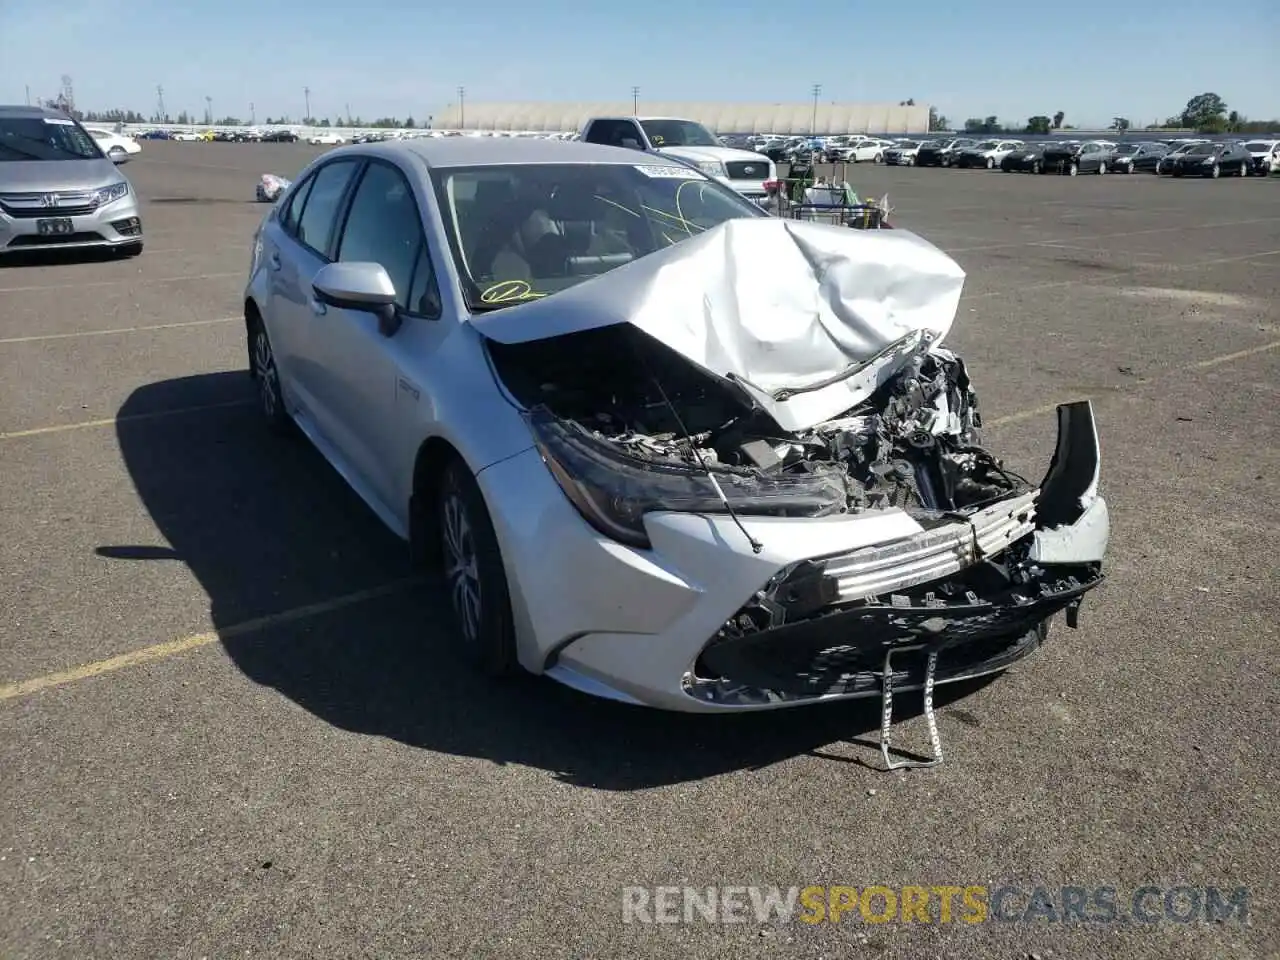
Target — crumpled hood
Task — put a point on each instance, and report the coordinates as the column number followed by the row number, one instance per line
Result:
column 774, row 304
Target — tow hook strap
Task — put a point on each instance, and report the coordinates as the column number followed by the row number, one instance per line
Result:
column 886, row 708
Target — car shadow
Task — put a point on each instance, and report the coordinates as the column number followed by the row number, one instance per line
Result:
column 313, row 597
column 55, row 257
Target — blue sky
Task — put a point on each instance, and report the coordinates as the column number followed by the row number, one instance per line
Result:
column 1094, row 59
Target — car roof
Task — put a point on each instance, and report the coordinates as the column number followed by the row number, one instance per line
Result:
column 486, row 151
column 20, row 112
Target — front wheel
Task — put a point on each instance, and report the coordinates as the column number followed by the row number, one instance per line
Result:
column 474, row 574
column 1073, row 170
column 267, row 375
column 1035, row 166
column 991, row 164
column 1215, row 172
column 1102, row 168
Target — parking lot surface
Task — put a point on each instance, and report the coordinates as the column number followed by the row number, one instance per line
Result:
column 232, row 727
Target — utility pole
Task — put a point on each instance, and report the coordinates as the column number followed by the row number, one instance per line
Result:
column 160, row 118
column 208, row 111
column 348, row 109
column 253, row 116
column 306, row 93
column 813, row 124
column 635, row 100
column 462, row 108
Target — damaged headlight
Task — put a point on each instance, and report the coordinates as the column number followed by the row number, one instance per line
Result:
column 613, row 490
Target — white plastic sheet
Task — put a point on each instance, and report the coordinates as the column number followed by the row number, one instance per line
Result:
column 781, row 305
column 270, row 187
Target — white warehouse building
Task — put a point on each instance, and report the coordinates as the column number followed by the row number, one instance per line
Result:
column 722, row 118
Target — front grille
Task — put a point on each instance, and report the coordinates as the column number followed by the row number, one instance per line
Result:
column 747, row 169
column 978, row 622
column 30, row 206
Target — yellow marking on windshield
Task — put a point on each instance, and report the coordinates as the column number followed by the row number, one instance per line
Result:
column 510, row 291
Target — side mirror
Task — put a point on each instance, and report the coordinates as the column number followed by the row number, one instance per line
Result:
column 118, row 158
column 360, row 286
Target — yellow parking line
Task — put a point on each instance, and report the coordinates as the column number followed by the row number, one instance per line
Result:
column 171, row 648
column 109, row 421
column 36, row 338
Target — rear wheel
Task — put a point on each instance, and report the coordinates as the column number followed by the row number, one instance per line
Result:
column 1102, row 168
column 991, row 163
column 474, row 573
column 1215, row 171
column 1035, row 166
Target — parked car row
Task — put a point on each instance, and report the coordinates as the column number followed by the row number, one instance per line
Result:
column 1178, row 158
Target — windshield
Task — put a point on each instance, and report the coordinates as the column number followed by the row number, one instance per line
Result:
column 521, row 232
column 909, row 144
column 45, row 138
column 987, row 145
column 678, row 133
column 1258, row 146
column 1203, row 150
column 1184, row 148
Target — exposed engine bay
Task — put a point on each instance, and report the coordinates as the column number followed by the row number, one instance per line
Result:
column 913, row 444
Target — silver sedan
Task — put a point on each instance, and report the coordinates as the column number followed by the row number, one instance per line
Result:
column 664, row 448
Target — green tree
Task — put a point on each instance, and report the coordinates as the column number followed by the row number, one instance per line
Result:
column 973, row 125
column 937, row 121
column 409, row 124
column 1057, row 120
column 991, row 125
column 1205, row 111
column 1120, row 123
column 184, row 118
column 1038, row 124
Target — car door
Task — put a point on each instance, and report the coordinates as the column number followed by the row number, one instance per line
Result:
column 372, row 381
column 303, row 246
column 1090, row 154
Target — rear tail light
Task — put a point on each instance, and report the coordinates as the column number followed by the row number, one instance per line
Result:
column 772, row 185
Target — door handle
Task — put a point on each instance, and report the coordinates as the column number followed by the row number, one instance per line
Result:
column 274, row 260
column 318, row 308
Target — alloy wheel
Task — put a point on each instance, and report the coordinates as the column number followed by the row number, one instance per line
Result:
column 462, row 572
column 264, row 368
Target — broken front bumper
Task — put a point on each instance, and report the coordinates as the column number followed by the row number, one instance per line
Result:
column 700, row 622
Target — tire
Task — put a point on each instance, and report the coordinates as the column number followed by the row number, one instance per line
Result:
column 267, row 376
column 475, row 578
column 911, row 161
column 879, row 158
column 1035, row 166
column 1102, row 168
column 1073, row 170
column 1244, row 169
column 1215, row 172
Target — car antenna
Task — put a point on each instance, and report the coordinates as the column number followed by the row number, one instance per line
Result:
column 756, row 545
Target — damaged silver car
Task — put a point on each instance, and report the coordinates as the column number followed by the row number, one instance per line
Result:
column 664, row 448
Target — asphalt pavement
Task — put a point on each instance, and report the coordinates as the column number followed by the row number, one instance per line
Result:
column 230, row 724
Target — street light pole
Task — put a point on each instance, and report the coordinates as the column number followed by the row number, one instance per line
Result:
column 462, row 108
column 635, row 100
column 306, row 93
column 813, row 124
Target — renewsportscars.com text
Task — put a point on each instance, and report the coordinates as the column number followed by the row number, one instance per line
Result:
column 941, row 904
